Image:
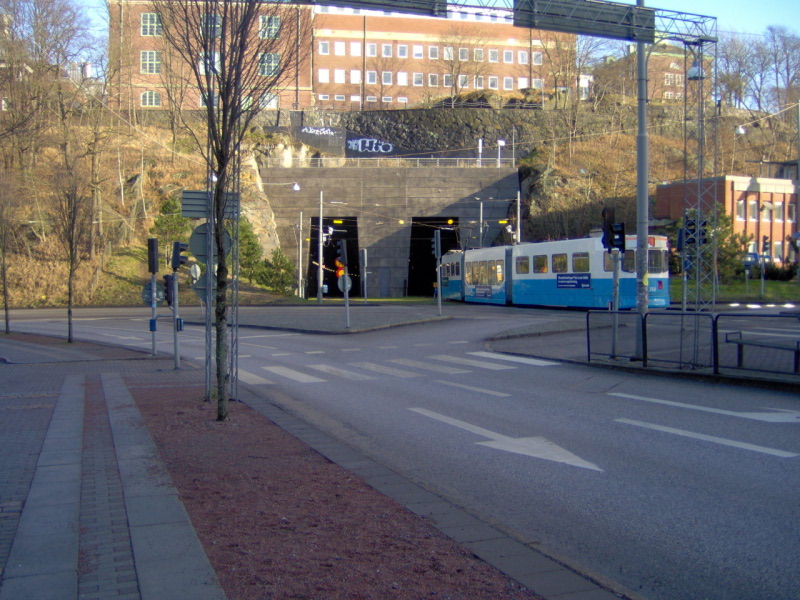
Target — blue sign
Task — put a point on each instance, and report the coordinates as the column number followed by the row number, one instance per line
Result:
column 574, row 281
column 483, row 291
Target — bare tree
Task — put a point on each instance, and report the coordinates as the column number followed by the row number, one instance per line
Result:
column 458, row 58
column 240, row 54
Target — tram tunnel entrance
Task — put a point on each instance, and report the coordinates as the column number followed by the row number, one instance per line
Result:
column 333, row 230
column 421, row 261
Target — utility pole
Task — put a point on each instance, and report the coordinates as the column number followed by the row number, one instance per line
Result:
column 319, row 254
column 642, row 203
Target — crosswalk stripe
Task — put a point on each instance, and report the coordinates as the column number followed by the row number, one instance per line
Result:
column 474, row 389
column 519, row 359
column 293, row 375
column 331, row 370
column 427, row 366
column 385, row 370
column 252, row 378
column 472, row 363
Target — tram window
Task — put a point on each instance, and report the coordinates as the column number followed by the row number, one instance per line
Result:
column 580, row 262
column 629, row 261
column 523, row 265
column 468, row 273
column 498, row 273
column 447, row 269
column 655, row 261
column 608, row 262
column 482, row 277
column 456, row 269
column 560, row 263
column 540, row 263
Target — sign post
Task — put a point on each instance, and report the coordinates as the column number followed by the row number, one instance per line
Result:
column 615, row 256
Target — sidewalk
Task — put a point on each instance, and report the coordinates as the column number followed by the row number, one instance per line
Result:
column 90, row 508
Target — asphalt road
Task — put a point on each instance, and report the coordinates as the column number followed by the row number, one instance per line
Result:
column 673, row 488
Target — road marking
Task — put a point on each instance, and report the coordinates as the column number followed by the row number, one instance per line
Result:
column 331, row 370
column 281, row 354
column 471, row 363
column 418, row 364
column 536, row 447
column 385, row 370
column 294, row 375
column 459, row 342
column 315, row 352
column 520, row 359
column 387, row 347
column 474, row 389
column 778, row 416
column 351, row 350
column 268, row 335
column 252, row 378
column 710, row 438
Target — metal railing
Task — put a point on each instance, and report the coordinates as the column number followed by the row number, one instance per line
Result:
column 391, row 162
column 726, row 343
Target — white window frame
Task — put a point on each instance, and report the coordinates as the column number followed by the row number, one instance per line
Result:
column 402, row 78
column 371, row 99
column 537, row 84
column 387, row 77
column 538, row 58
column 508, row 84
column 522, row 57
column 478, row 54
column 433, row 52
column 372, row 77
column 463, row 82
column 269, row 27
column 522, row 83
column 494, row 82
column 150, row 62
column 479, row 82
column 323, row 75
column 508, row 57
column 387, row 51
column 324, row 47
column 355, row 76
column 151, row 25
column 418, row 79
column 447, row 53
column 372, row 50
column 463, row 54
column 339, row 76
column 447, row 80
column 402, row 51
column 433, row 80
column 270, row 64
column 148, row 98
column 494, row 55
column 386, row 99
column 339, row 48
column 339, row 98
column 355, row 48
column 418, row 51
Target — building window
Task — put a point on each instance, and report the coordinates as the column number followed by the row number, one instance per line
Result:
column 402, row 51
column 269, row 65
column 151, row 25
column 339, row 75
column 679, row 79
column 338, row 98
column 372, row 77
column 508, row 56
column 668, row 95
column 355, row 98
column 355, row 48
column 537, row 58
column 494, row 83
column 402, row 100
column 151, row 62
column 752, row 210
column 669, row 79
column 418, row 51
column 355, row 76
column 478, row 82
column 463, row 54
column 339, row 49
column 537, row 84
column 522, row 57
column 386, row 99
column 433, row 80
column 324, row 48
column 204, row 100
column 372, row 98
column 778, row 212
column 386, row 51
column 418, row 79
column 740, row 211
column 324, row 97
column 151, row 99
column 463, row 81
column 791, row 214
column 508, row 83
column 777, row 250
column 447, row 53
column 477, row 54
column 447, row 80
column 386, row 78
column 494, row 56
column 4, row 104
column 372, row 50
column 324, row 76
column 402, row 78
column 270, row 27
column 522, row 83
column 211, row 25
column 433, row 52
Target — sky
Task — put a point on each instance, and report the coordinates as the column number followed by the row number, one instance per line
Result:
column 742, row 16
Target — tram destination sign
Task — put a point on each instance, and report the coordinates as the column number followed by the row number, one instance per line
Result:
column 574, row 281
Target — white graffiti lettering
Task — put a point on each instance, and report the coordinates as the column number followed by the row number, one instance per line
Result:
column 318, row 131
column 370, row 145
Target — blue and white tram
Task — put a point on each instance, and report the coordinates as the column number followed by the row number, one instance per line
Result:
column 570, row 273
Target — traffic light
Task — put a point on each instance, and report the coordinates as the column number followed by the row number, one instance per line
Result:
column 690, row 231
column 168, row 288
column 177, row 257
column 766, row 246
column 618, row 236
column 341, row 251
column 152, row 255
column 702, row 234
column 608, row 222
column 436, row 243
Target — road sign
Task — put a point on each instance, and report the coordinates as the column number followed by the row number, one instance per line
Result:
column 197, row 243
column 344, row 280
column 147, row 295
column 194, row 204
column 199, row 287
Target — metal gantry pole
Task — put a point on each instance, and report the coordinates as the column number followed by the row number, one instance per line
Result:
column 642, row 203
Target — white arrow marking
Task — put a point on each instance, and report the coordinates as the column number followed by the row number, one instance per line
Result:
column 709, row 438
column 777, row 416
column 536, row 447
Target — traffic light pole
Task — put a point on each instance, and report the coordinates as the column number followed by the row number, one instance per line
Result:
column 175, row 321
column 153, row 313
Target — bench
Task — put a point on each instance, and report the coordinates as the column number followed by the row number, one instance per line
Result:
column 735, row 337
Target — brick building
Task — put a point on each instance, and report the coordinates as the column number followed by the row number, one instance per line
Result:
column 761, row 208
column 358, row 59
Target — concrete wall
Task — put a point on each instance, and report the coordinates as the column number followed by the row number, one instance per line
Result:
column 383, row 202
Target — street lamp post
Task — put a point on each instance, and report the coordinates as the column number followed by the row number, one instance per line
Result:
column 319, row 253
